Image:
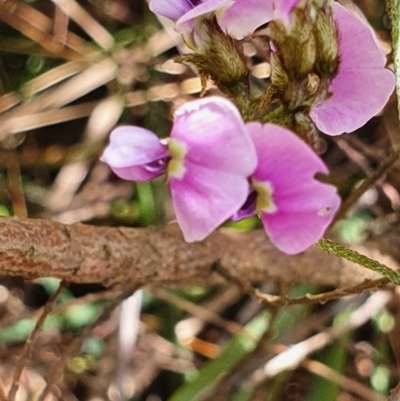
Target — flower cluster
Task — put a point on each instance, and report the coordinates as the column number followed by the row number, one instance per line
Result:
column 227, row 163
column 238, row 18
column 220, row 168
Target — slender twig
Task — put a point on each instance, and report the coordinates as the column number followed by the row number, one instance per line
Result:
column 61, row 308
column 30, row 342
column 323, row 297
column 3, row 396
column 368, row 182
column 76, row 344
column 197, row 310
column 309, row 299
column 15, row 186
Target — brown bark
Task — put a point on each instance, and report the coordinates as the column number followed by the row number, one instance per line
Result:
column 131, row 256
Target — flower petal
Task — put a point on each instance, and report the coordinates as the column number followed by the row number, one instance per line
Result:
column 301, row 221
column 215, row 136
column 356, row 97
column 205, row 198
column 304, row 206
column 362, row 86
column 277, row 149
column 130, row 150
column 185, row 24
column 135, row 173
column 243, row 17
column 170, row 9
column 219, row 157
column 358, row 45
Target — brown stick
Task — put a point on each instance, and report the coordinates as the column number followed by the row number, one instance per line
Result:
column 87, row 254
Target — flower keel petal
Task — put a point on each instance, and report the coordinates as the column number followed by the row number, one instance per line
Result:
column 135, row 154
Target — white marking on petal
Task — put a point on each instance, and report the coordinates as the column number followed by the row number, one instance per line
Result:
column 187, row 108
column 324, row 211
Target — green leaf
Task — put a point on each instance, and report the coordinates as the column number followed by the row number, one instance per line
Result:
column 214, row 371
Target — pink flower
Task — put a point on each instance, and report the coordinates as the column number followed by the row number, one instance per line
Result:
column 362, row 86
column 207, row 158
column 238, row 18
column 295, row 208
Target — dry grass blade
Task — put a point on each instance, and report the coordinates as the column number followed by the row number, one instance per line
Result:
column 96, row 31
column 53, row 77
column 15, row 186
column 103, row 118
column 61, row 21
column 344, row 382
column 29, row 122
column 198, row 311
column 88, row 80
column 295, row 354
column 21, row 21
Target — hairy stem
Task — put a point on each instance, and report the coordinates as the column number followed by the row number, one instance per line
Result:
column 362, row 260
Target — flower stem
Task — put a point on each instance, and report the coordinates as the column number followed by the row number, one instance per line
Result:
column 362, row 260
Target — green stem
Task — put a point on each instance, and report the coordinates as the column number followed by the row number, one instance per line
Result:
column 355, row 257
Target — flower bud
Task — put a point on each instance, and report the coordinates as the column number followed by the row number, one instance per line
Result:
column 220, row 59
column 295, row 42
column 327, row 43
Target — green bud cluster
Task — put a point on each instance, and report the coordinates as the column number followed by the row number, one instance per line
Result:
column 221, row 59
column 304, row 62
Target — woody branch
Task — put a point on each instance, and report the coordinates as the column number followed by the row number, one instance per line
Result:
column 132, row 256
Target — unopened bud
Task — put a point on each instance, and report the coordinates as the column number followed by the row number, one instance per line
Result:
column 221, row 59
column 327, row 43
column 295, row 43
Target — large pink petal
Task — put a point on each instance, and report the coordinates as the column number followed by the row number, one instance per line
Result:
column 358, row 45
column 215, row 136
column 243, row 17
column 283, row 158
column 362, row 86
column 130, row 152
column 357, row 96
column 172, row 9
column 302, row 219
column 205, row 198
column 305, row 207
column 220, row 157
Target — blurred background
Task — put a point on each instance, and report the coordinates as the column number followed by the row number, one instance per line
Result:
column 70, row 70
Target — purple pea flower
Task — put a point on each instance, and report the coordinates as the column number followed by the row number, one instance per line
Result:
column 362, row 85
column 238, row 18
column 208, row 159
column 295, row 208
